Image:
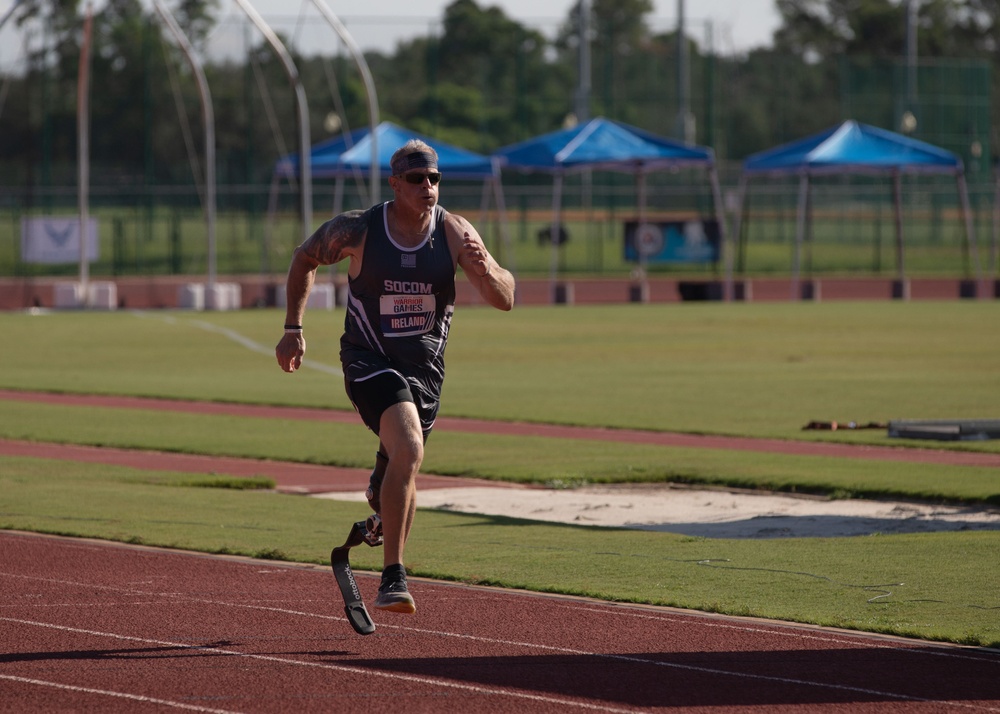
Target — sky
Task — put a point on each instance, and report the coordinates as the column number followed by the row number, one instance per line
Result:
column 738, row 24
column 730, row 26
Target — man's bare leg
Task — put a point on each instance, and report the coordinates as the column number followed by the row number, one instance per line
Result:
column 402, row 439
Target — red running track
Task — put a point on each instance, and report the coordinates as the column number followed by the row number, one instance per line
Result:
column 89, row 626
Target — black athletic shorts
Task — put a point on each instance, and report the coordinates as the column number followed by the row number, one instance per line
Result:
column 374, row 395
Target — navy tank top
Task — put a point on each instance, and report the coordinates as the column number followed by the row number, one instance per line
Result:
column 400, row 306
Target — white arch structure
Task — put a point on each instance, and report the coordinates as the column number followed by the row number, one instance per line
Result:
column 366, row 77
column 208, row 119
column 302, row 113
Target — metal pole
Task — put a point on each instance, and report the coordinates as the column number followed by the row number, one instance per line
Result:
column 583, row 91
column 737, row 232
column 83, row 149
column 302, row 111
column 720, row 217
column 911, row 54
column 554, row 232
column 685, row 123
column 366, row 77
column 643, row 258
column 800, row 229
column 970, row 231
column 208, row 119
column 584, row 70
column 897, row 199
column 502, row 212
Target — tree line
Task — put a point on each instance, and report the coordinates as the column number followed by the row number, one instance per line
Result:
column 487, row 80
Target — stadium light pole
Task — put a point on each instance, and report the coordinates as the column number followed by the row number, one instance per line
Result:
column 685, row 120
column 302, row 110
column 83, row 149
column 366, row 77
column 912, row 9
column 583, row 65
column 208, row 119
column 909, row 119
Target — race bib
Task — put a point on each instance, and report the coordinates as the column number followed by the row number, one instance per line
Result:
column 406, row 315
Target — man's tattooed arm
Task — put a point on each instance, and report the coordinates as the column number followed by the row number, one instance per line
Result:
column 338, row 238
column 333, row 240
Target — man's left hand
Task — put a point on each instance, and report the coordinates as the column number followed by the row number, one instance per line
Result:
column 290, row 351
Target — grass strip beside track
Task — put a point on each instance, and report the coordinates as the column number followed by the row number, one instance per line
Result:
column 547, row 461
column 931, row 586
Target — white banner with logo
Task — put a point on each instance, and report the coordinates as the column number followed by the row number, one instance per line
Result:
column 56, row 240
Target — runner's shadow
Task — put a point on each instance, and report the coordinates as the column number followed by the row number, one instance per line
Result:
column 721, row 679
column 136, row 653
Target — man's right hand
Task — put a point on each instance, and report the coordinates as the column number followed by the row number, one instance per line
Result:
column 290, row 350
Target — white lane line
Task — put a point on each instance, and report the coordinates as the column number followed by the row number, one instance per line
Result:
column 242, row 340
column 361, row 671
column 119, row 695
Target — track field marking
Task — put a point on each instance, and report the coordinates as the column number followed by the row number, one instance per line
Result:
column 526, row 645
column 119, row 695
column 239, row 339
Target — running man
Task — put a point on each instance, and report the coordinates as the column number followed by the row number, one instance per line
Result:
column 403, row 256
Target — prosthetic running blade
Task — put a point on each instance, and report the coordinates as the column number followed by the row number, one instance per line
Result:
column 354, row 606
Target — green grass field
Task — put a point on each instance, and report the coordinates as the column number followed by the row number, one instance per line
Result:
column 745, row 369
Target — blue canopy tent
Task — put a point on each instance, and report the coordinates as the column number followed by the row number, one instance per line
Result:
column 351, row 155
column 453, row 161
column 323, row 156
column 857, row 148
column 604, row 144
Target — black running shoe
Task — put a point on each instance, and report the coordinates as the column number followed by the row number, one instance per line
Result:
column 393, row 595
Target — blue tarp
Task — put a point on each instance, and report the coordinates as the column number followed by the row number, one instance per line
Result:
column 333, row 158
column 852, row 147
column 601, row 144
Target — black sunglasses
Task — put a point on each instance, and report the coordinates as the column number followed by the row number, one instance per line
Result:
column 418, row 178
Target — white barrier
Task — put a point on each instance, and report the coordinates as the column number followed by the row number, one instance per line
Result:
column 102, row 295
column 322, row 297
column 68, row 295
column 220, row 296
column 191, row 296
column 223, row 296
